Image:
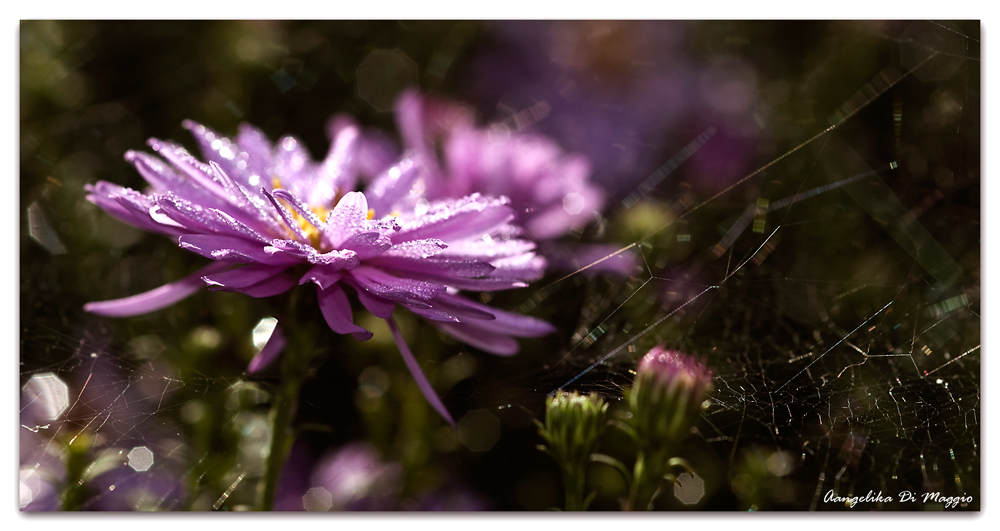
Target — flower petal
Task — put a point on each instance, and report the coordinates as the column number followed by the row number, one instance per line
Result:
column 346, row 220
column 338, row 172
column 197, row 171
column 378, row 306
column 487, row 249
column 266, row 288
column 478, row 284
column 493, row 343
column 197, row 219
column 301, row 208
column 259, row 154
column 418, row 249
column 418, row 374
column 444, row 269
column 375, row 151
column 450, row 221
column 527, row 267
column 513, row 324
column 128, row 206
column 230, row 249
column 338, row 259
column 156, row 299
column 243, row 277
column 216, row 147
column 464, row 308
column 392, row 185
column 286, row 216
column 337, row 312
column 394, row 288
column 367, row 244
column 322, row 276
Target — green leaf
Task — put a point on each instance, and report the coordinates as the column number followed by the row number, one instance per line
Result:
column 613, row 463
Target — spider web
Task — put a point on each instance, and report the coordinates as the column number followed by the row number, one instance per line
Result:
column 830, row 280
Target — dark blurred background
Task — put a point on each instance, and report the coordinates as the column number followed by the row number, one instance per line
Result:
column 670, row 114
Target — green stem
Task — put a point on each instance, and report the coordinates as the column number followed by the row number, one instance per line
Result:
column 78, row 458
column 638, row 478
column 647, row 478
column 282, row 413
column 575, row 480
column 295, row 362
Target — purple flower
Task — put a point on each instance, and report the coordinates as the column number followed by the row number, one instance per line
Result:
column 671, row 367
column 291, row 221
column 354, row 478
column 550, row 191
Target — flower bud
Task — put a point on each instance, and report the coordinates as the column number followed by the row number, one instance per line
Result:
column 573, row 426
column 666, row 397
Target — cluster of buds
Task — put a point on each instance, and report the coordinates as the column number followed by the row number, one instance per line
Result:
column 666, row 397
column 664, row 401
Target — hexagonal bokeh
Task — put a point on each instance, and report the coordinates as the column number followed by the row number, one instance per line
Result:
column 317, row 499
column 479, row 430
column 47, row 395
column 140, row 458
column 383, row 75
column 689, row 489
column 41, row 230
column 934, row 50
column 29, row 485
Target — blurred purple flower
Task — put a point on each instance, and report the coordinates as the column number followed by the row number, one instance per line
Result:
column 275, row 210
column 614, row 88
column 550, row 191
column 354, row 478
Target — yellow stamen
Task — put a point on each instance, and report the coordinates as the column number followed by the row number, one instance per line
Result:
column 371, row 213
column 308, row 229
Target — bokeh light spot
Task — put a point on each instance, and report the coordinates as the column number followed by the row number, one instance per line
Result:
column 689, row 489
column 317, row 499
column 479, row 430
column 47, row 394
column 780, row 463
column 29, row 484
column 573, row 203
column 42, row 232
column 140, row 458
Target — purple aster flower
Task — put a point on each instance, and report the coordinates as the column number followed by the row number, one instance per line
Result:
column 288, row 221
column 550, row 191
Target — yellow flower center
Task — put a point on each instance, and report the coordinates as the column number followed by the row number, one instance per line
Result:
column 311, row 232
